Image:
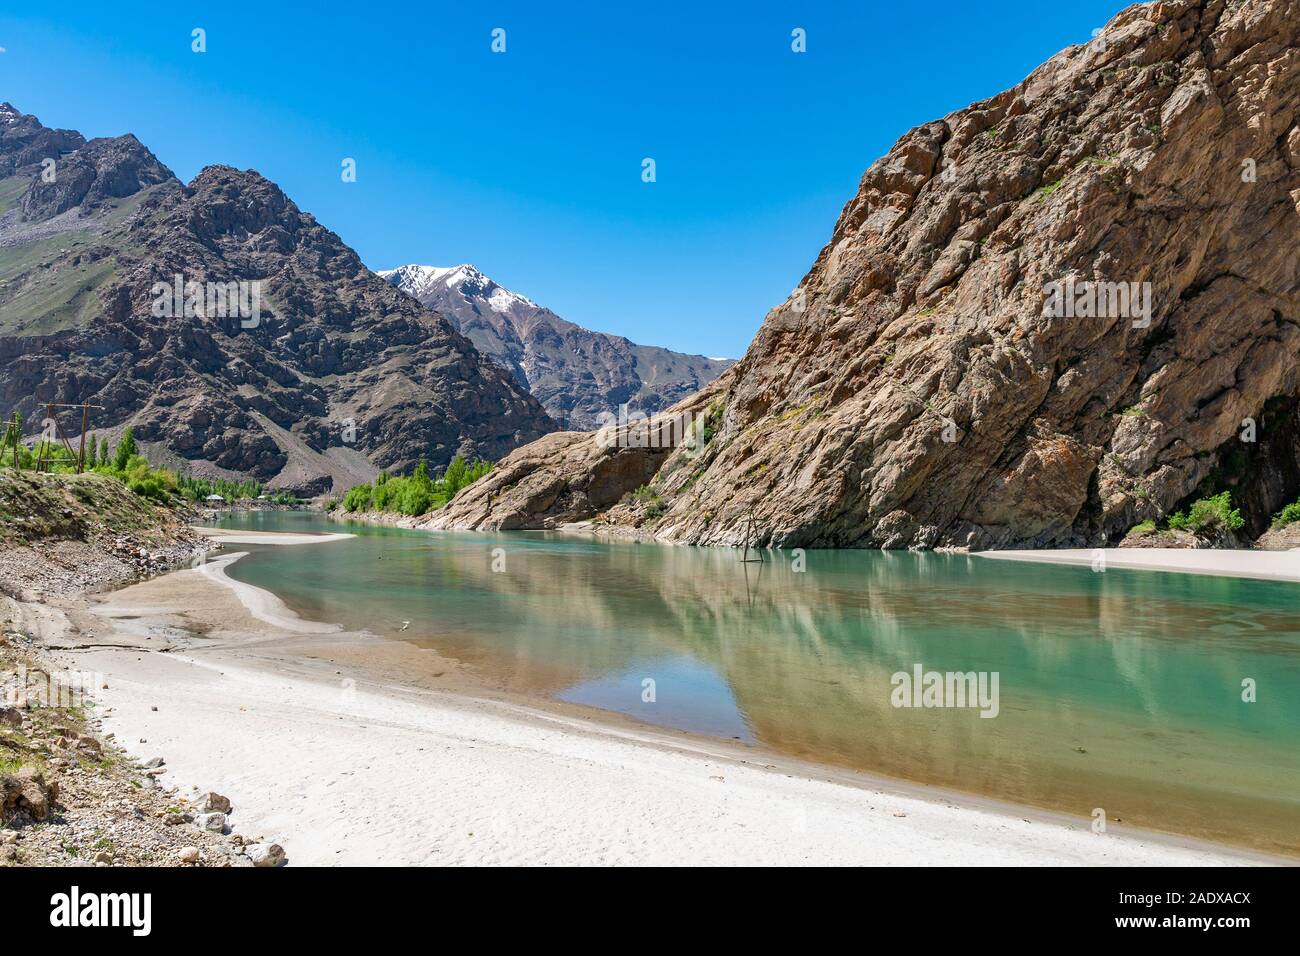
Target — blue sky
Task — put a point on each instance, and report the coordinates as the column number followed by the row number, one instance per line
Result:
column 528, row 163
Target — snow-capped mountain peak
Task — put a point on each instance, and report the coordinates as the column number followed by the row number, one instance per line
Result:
column 578, row 375
column 422, row 281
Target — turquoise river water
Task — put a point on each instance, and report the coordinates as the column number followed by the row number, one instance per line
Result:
column 1121, row 690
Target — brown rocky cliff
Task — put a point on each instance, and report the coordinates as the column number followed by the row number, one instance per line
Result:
column 914, row 391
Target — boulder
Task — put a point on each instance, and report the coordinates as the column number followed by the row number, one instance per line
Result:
column 212, row 802
column 1286, row 538
column 265, row 854
column 26, row 792
column 213, row 822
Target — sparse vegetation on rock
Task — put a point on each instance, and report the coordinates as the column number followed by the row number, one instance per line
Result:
column 1287, row 516
column 1208, row 514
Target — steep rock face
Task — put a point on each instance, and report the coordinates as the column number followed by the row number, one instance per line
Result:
column 563, row 477
column 927, row 386
column 25, row 142
column 101, row 169
column 576, row 374
column 294, row 364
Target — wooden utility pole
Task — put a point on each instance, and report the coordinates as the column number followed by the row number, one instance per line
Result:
column 749, row 534
column 85, row 421
column 58, row 430
column 50, row 415
column 15, row 424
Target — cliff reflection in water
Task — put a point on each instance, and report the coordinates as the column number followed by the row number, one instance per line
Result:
column 1119, row 690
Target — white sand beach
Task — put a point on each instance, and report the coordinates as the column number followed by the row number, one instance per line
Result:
column 1262, row 565
column 340, row 766
column 225, row 536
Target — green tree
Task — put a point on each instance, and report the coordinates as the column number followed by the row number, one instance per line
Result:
column 1208, row 514
column 417, row 493
column 126, row 449
column 415, row 499
column 103, row 451
column 456, row 476
column 357, row 499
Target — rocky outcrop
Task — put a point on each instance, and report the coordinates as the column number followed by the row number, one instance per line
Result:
column 580, row 377
column 237, row 335
column 1285, row 538
column 962, row 367
column 568, row 476
column 24, row 141
column 25, row 793
column 100, row 170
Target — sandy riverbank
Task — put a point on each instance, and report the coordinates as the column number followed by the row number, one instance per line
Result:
column 1262, row 565
column 226, row 536
column 324, row 746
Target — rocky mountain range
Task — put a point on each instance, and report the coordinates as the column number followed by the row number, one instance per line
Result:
column 1041, row 320
column 235, row 333
column 577, row 375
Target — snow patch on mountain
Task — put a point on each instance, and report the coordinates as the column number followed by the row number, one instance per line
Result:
column 420, row 281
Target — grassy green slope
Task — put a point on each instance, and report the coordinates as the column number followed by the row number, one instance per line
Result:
column 11, row 191
column 47, row 507
column 49, row 284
